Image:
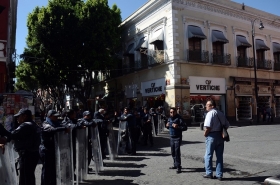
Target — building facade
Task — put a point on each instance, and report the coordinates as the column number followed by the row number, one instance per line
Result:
column 183, row 52
column 8, row 15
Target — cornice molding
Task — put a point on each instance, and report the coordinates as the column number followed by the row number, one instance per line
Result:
column 224, row 10
column 189, row 19
column 217, row 24
column 240, row 29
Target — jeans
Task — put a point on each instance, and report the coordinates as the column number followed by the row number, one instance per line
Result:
column 175, row 144
column 214, row 142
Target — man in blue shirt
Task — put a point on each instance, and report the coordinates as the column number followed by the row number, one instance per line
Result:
column 175, row 125
column 213, row 123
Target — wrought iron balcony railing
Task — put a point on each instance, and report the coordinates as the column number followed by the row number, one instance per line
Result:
column 245, row 62
column 264, row 64
column 197, row 56
column 221, row 59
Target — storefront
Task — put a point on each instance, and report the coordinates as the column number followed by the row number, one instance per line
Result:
column 264, row 100
column 277, row 101
column 131, row 95
column 153, row 93
column 203, row 89
column 243, row 102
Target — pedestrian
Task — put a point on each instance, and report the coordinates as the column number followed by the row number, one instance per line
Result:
column 103, row 131
column 138, row 127
column 176, row 126
column 47, row 148
column 26, row 139
column 264, row 113
column 130, row 128
column 179, row 111
column 147, row 128
column 268, row 114
column 214, row 122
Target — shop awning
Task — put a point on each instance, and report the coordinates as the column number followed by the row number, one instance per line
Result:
column 158, row 37
column 276, row 47
column 242, row 41
column 143, row 44
column 129, row 50
column 261, row 45
column 195, row 32
column 218, row 36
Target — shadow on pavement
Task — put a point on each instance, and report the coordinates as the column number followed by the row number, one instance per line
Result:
column 134, row 158
column 124, row 173
column 109, row 182
column 259, row 179
column 125, row 165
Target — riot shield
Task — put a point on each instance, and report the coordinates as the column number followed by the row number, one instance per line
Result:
column 123, row 138
column 161, row 125
column 64, row 158
column 96, row 150
column 111, row 143
column 153, row 126
column 7, row 166
column 81, row 155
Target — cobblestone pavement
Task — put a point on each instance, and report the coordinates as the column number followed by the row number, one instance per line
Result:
column 250, row 157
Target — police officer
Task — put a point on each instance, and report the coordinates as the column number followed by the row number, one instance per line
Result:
column 47, row 148
column 147, row 128
column 130, row 127
column 26, row 139
column 87, row 121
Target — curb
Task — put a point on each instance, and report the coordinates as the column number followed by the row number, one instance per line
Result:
column 272, row 181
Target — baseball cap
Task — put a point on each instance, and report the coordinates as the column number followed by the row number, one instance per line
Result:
column 23, row 111
column 86, row 113
column 53, row 113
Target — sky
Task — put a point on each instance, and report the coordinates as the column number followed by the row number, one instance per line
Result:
column 127, row 8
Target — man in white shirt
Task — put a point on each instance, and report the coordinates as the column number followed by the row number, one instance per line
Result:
column 214, row 140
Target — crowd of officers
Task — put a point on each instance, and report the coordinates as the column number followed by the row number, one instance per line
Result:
column 34, row 142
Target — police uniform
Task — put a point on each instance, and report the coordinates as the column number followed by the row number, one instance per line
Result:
column 26, row 142
column 47, row 149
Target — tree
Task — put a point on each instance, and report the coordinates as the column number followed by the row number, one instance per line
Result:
column 72, row 39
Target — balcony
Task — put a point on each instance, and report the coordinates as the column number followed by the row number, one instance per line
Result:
column 221, row 59
column 197, row 56
column 245, row 62
column 156, row 57
column 264, row 64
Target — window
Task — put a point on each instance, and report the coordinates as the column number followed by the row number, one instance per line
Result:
column 241, row 52
column 260, row 55
column 158, row 45
column 195, row 44
column 276, row 57
column 218, row 48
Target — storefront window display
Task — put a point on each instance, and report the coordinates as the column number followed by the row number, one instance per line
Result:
column 197, row 105
column 154, row 102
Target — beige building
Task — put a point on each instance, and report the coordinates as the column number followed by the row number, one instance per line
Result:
column 183, row 52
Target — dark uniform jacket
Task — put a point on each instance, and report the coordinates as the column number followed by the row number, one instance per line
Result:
column 175, row 132
column 102, row 125
column 48, row 132
column 26, row 136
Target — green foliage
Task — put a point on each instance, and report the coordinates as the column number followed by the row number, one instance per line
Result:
column 69, row 39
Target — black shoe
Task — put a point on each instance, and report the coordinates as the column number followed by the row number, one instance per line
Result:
column 90, row 169
column 179, row 170
column 132, row 154
column 172, row 168
column 208, row 176
column 219, row 178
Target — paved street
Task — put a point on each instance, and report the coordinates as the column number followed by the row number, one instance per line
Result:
column 251, row 156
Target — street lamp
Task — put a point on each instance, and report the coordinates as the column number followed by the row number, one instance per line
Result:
column 255, row 68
